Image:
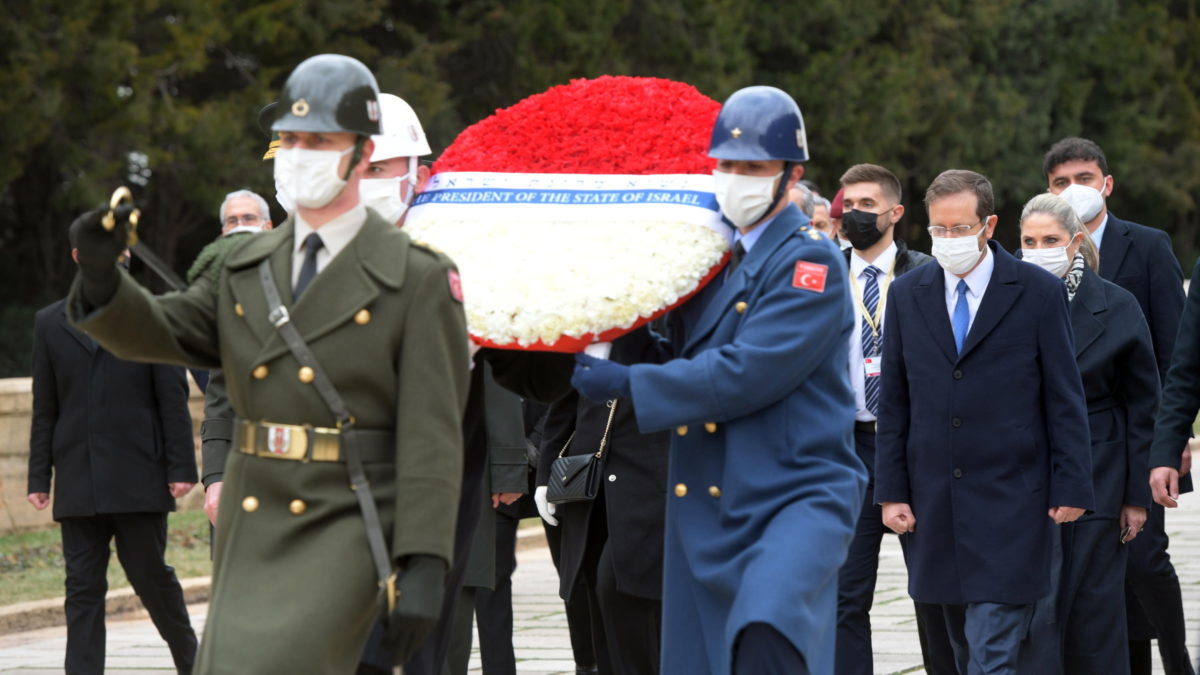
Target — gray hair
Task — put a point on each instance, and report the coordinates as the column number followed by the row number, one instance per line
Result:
column 1057, row 208
column 264, row 211
column 806, row 198
column 821, row 201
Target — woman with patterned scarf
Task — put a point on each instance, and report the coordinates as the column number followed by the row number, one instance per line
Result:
column 1080, row 626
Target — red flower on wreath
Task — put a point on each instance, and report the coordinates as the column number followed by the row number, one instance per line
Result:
column 609, row 125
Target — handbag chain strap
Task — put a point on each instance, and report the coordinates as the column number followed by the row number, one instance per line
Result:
column 612, row 411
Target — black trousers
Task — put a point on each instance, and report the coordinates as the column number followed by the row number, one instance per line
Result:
column 626, row 629
column 1152, row 596
column 856, row 578
column 493, row 608
column 141, row 541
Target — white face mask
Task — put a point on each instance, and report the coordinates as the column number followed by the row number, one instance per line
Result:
column 744, row 199
column 310, row 177
column 1053, row 260
column 956, row 255
column 383, row 194
column 843, row 243
column 283, row 198
column 1086, row 201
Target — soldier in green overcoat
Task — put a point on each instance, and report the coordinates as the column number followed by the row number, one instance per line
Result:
column 295, row 585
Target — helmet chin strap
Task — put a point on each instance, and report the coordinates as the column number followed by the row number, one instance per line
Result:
column 356, row 156
column 779, row 191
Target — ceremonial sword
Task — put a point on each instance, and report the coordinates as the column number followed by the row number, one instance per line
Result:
column 109, row 221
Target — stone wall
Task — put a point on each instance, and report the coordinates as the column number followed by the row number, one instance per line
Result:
column 16, row 404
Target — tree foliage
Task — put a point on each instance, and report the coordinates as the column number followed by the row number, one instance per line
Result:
column 163, row 95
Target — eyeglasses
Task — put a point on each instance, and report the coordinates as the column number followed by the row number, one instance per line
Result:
column 247, row 218
column 955, row 231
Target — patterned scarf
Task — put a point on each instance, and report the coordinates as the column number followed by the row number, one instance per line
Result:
column 1074, row 275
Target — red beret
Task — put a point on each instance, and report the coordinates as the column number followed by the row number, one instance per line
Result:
column 835, row 209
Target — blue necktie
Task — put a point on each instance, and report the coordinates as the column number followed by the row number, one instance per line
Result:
column 308, row 270
column 962, row 316
column 870, row 343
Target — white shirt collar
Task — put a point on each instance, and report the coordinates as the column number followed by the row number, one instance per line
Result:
column 883, row 262
column 335, row 234
column 977, row 280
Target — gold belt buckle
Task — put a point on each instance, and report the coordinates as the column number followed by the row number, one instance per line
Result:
column 326, row 444
column 283, row 441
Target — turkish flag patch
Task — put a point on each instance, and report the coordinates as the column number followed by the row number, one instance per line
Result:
column 456, row 285
column 810, row 276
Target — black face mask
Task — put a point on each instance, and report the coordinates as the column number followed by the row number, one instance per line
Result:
column 860, row 228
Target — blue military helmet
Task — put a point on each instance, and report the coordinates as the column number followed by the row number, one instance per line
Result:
column 759, row 123
column 328, row 93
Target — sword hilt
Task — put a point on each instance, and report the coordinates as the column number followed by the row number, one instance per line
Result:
column 120, row 196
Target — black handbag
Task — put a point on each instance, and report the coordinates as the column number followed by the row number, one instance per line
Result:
column 577, row 478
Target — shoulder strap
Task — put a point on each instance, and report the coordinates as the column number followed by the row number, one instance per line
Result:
column 282, row 321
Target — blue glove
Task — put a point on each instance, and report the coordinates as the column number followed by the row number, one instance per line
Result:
column 600, row 380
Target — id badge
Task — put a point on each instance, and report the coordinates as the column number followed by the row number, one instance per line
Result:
column 871, row 365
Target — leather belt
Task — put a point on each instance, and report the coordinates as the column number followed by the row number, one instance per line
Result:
column 866, row 427
column 306, row 443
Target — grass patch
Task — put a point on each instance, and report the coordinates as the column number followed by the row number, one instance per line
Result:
column 31, row 563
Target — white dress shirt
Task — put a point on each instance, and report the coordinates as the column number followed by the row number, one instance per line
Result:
column 335, row 235
column 858, row 268
column 977, row 283
column 1098, row 235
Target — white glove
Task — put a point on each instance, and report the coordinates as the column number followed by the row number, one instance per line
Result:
column 545, row 508
column 599, row 350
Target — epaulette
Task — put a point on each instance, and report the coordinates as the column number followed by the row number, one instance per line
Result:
column 812, row 232
column 420, row 243
column 212, row 257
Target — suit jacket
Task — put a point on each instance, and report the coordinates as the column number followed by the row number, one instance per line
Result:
column 906, row 258
column 634, row 483
column 1181, row 389
column 981, row 444
column 1116, row 362
column 764, row 484
column 113, row 433
column 1140, row 260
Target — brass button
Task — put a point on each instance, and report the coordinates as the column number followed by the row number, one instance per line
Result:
column 681, row 430
column 297, row 507
column 710, row 427
column 261, row 372
column 680, row 490
column 714, row 491
column 239, row 310
column 362, row 317
column 741, row 307
column 250, row 504
column 306, row 375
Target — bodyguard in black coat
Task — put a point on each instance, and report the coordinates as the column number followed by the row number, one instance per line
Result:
column 117, row 438
column 1140, row 260
column 615, row 543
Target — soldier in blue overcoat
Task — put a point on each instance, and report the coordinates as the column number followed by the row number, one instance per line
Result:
column 763, row 481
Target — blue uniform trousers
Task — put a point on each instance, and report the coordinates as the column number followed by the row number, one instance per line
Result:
column 762, row 650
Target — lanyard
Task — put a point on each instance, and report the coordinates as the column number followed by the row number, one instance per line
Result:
column 875, row 322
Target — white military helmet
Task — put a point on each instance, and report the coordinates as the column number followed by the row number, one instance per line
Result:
column 402, row 135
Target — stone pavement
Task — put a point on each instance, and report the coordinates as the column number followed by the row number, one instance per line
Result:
column 540, row 634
